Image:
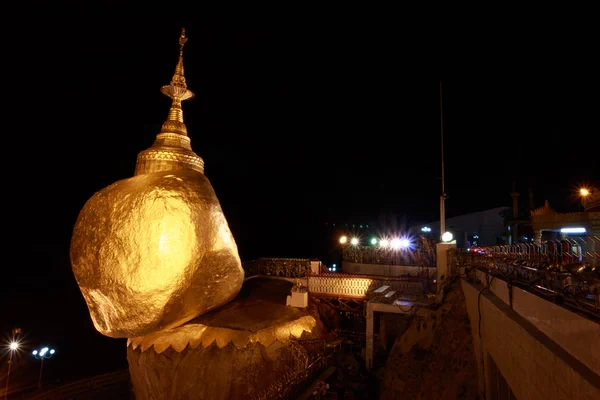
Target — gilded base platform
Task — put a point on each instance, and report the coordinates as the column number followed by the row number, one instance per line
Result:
column 243, row 350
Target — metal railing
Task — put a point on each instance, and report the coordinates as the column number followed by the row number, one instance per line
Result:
column 278, row 267
column 566, row 271
column 82, row 386
column 420, row 252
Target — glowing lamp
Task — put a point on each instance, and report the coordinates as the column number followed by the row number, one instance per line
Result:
column 384, row 243
column 354, row 241
column 14, row 346
column 373, row 241
column 395, row 243
column 584, row 192
column 447, row 237
column 343, row 240
column 404, row 243
column 573, row 230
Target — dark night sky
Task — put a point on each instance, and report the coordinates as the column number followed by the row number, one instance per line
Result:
column 298, row 123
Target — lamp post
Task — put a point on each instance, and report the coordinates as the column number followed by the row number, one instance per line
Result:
column 41, row 355
column 12, row 347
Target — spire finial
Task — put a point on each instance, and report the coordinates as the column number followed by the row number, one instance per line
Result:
column 177, row 90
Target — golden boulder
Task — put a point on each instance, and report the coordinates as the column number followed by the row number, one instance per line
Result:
column 154, row 251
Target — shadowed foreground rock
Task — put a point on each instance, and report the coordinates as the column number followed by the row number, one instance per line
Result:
column 434, row 359
column 243, row 350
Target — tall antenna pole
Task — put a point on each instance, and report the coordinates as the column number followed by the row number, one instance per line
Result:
column 443, row 196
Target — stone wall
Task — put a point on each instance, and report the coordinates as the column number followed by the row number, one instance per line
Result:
column 434, row 359
column 532, row 365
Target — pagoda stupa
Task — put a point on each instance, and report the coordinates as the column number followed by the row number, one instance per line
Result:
column 157, row 264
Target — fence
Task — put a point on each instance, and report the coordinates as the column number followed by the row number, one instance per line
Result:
column 419, row 252
column 278, row 267
column 565, row 271
column 69, row 391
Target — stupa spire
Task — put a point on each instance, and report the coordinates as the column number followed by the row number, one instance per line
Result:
column 177, row 91
column 172, row 149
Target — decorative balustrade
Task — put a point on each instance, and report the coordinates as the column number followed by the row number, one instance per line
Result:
column 360, row 286
column 278, row 267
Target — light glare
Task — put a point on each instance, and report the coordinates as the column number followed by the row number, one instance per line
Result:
column 395, row 243
column 14, row 345
column 343, row 239
column 384, row 243
column 447, row 237
column 354, row 241
column 373, row 241
column 584, row 192
column 573, row 230
column 404, row 243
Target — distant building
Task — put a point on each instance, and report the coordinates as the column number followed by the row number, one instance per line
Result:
column 547, row 224
column 482, row 228
column 529, row 223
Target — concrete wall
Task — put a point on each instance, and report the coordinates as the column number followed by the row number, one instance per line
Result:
column 386, row 270
column 541, row 350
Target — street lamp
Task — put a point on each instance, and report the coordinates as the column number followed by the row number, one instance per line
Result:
column 41, row 355
column 584, row 193
column 343, row 240
column 12, row 347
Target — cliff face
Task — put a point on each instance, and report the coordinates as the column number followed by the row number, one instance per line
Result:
column 434, row 359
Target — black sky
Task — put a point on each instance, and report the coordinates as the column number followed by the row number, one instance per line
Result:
column 299, row 123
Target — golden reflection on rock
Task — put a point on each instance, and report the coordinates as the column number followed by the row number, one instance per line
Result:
column 241, row 322
column 195, row 335
column 154, row 251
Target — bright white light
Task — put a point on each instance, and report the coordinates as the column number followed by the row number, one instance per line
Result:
column 333, row 265
column 14, row 346
column 43, row 351
column 572, row 230
column 34, row 352
column 426, row 229
column 354, row 241
column 396, row 243
column 384, row 243
column 373, row 241
column 343, row 239
column 447, row 237
column 584, row 192
column 52, row 351
column 404, row 243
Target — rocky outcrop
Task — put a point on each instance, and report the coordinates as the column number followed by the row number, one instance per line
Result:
column 434, row 359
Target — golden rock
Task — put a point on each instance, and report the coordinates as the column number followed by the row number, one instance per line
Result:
column 154, row 251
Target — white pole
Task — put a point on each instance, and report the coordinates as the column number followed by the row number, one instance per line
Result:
column 443, row 196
